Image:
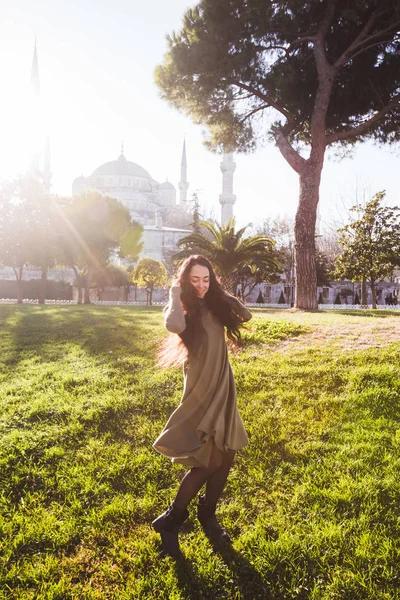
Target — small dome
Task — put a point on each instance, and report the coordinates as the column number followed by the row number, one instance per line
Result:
column 166, row 185
column 79, row 179
column 120, row 167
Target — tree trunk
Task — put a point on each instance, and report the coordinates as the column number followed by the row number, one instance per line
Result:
column 18, row 278
column 364, row 295
column 306, row 216
column 373, row 293
column 43, row 283
column 228, row 283
column 87, row 287
column 79, row 301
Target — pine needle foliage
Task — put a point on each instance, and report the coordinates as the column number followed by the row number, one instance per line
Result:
column 305, row 75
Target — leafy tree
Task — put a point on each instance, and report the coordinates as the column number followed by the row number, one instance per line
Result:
column 281, row 230
column 328, row 246
column 130, row 241
column 92, row 228
column 248, row 277
column 44, row 248
column 323, row 271
column 230, row 251
column 109, row 276
column 345, row 293
column 149, row 274
column 337, row 299
column 308, row 75
column 196, row 212
column 370, row 245
column 281, row 299
column 26, row 228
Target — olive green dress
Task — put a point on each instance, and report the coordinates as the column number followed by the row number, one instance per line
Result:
column 208, row 413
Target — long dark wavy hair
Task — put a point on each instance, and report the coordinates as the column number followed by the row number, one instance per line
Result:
column 176, row 348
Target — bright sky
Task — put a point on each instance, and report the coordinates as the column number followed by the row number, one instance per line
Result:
column 96, row 64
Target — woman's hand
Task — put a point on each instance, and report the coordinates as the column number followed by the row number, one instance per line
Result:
column 176, row 290
column 176, row 285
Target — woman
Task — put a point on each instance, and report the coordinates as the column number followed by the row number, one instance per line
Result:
column 206, row 429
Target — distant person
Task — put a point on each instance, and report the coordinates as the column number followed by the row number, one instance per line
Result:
column 205, row 430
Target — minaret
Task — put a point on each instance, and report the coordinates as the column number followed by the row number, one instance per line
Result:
column 35, row 116
column 35, row 81
column 40, row 150
column 227, row 199
column 183, row 184
column 47, row 165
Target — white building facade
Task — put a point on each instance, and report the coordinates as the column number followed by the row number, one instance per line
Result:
column 152, row 204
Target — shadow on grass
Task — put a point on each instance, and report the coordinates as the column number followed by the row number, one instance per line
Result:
column 46, row 331
column 245, row 579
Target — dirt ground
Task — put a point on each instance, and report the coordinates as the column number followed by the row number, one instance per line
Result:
column 343, row 332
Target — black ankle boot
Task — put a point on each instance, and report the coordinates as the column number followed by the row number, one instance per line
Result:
column 168, row 525
column 209, row 523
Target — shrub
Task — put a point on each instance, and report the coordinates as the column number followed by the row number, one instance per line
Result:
column 260, row 298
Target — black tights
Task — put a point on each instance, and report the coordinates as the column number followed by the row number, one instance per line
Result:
column 214, row 476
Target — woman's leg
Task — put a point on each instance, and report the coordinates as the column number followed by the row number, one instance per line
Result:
column 194, row 479
column 207, row 504
column 168, row 524
column 216, row 481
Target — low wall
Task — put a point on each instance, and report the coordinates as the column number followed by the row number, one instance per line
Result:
column 163, row 303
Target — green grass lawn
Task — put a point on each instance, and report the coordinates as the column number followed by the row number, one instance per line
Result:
column 312, row 504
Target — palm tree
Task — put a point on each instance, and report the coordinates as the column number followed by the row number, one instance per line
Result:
column 230, row 250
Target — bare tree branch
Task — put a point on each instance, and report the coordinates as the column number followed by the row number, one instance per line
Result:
column 325, row 82
column 300, row 40
column 252, row 112
column 294, row 159
column 363, row 127
column 365, row 48
column 267, row 99
column 327, row 20
column 363, row 38
column 319, row 43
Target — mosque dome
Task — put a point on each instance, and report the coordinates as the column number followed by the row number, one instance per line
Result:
column 166, row 185
column 121, row 166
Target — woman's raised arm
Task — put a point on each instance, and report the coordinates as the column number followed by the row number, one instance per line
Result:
column 239, row 308
column 174, row 317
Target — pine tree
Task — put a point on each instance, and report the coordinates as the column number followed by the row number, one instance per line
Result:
column 308, row 75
